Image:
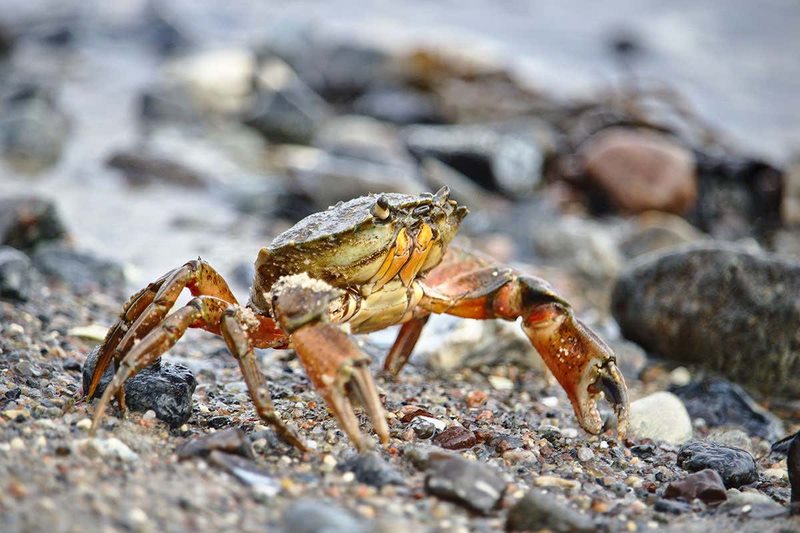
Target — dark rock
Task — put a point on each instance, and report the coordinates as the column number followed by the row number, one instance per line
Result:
column 644, row 450
column 706, row 486
column 232, row 441
column 26, row 222
column 717, row 306
column 793, row 466
column 165, row 388
column 16, row 276
column 33, row 129
column 399, row 106
column 472, row 485
column 80, row 270
column 538, row 510
column 219, row 422
column 722, row 403
column 456, row 438
column 423, row 426
column 318, row 516
column 500, row 162
column 671, row 506
column 738, row 197
column 736, row 467
column 285, row 109
column 637, row 170
column 370, row 468
column 338, row 69
column 143, row 168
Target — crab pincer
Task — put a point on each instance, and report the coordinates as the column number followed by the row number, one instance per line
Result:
column 335, row 365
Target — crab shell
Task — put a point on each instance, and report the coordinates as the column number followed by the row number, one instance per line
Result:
column 346, row 244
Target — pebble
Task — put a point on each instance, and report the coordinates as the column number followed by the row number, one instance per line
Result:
column 737, row 498
column 27, row 221
column 456, row 438
column 107, row 448
column 16, row 275
column 656, row 230
column 399, row 106
column 231, row 440
column 640, row 170
column 729, row 316
column 664, row 505
column 319, row 516
column 736, row 467
column 372, row 469
column 585, row 454
column 84, row 424
column 722, row 403
column 660, row 417
column 538, row 510
column 735, row 438
column 164, row 388
column 705, row 485
column 553, row 481
column 473, row 485
column 17, row 444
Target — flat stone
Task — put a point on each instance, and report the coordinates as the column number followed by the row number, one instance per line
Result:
column 472, row 485
column 232, row 441
column 722, row 403
column 320, row 516
column 705, row 485
column 372, row 469
column 16, row 276
column 538, row 510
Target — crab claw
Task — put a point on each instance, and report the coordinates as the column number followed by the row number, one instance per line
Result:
column 339, row 372
column 581, row 362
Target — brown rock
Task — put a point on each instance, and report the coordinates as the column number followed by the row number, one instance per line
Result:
column 705, row 485
column 641, row 170
column 456, row 438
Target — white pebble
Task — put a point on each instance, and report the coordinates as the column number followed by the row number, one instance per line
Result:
column 149, row 415
column 17, row 444
column 84, row 424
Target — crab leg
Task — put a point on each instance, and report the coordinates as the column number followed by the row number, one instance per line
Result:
column 235, row 333
column 581, row 362
column 149, row 307
column 204, row 311
column 404, row 345
column 333, row 362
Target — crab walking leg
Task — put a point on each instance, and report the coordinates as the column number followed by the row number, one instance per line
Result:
column 334, row 364
column 130, row 311
column 235, row 333
column 202, row 312
column 404, row 345
column 581, row 362
column 148, row 308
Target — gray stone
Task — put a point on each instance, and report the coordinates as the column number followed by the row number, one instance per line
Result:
column 720, row 307
column 538, row 510
column 504, row 162
column 80, row 270
column 319, row 516
column 231, row 441
column 165, row 388
column 399, row 106
column 372, row 469
column 660, row 417
column 472, row 485
column 736, row 467
column 285, row 109
column 33, row 129
column 16, row 275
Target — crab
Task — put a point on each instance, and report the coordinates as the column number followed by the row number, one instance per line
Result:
column 359, row 266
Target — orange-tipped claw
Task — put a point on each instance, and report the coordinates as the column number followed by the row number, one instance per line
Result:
column 582, row 363
column 340, row 374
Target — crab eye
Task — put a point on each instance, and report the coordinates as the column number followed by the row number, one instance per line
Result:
column 442, row 195
column 380, row 209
